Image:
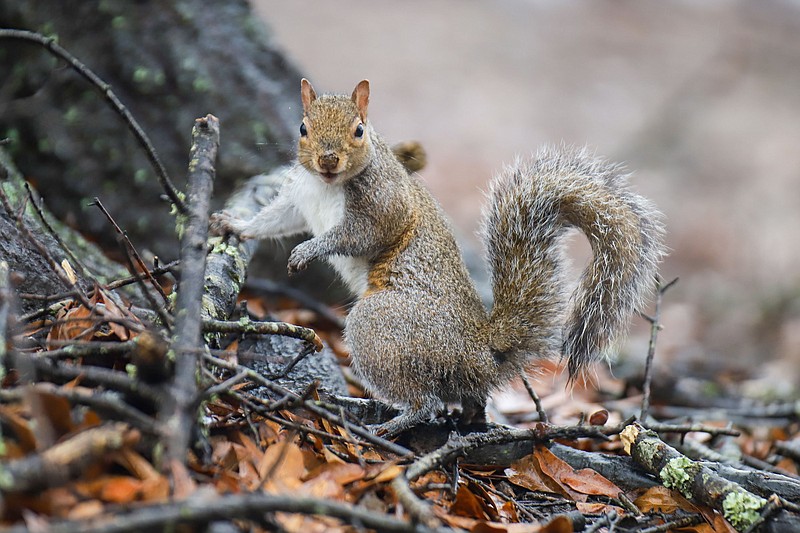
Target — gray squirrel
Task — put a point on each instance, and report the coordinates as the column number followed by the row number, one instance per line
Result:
column 418, row 333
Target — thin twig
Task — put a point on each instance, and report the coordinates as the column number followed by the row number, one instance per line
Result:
column 535, row 397
column 130, row 249
column 95, row 375
column 37, row 207
column 608, row 520
column 691, row 428
column 157, row 271
column 308, row 349
column 159, row 310
column 672, row 525
column 225, row 386
column 49, row 44
column 651, row 348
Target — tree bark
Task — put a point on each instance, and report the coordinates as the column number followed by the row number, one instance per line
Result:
column 168, row 62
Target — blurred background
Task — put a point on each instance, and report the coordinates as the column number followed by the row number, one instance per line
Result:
column 700, row 99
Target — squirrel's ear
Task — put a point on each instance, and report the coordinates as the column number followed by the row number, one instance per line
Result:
column 307, row 94
column 361, row 99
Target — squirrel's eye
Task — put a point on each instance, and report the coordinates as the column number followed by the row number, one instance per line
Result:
column 303, row 130
column 359, row 131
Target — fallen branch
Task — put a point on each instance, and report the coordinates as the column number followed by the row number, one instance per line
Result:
column 458, row 445
column 179, row 417
column 209, row 506
column 108, row 404
column 245, row 325
column 229, row 256
column 65, row 460
column 695, row 481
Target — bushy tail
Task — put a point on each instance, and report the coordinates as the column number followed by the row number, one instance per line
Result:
column 532, row 205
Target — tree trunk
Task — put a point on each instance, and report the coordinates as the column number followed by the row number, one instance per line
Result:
column 168, row 62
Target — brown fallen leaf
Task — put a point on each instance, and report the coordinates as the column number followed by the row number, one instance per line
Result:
column 52, row 416
column 20, row 427
column 587, row 481
column 527, row 474
column 341, row 473
column 663, row 500
column 281, row 467
column 468, row 505
column 75, row 322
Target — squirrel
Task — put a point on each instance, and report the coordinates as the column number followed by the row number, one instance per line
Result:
column 419, row 334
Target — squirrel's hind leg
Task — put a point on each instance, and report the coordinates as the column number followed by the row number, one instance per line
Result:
column 473, row 411
column 409, row 418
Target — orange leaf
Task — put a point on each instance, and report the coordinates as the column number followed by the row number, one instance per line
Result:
column 323, row 487
column 543, row 471
column 559, row 524
column 253, row 451
column 595, row 508
column 466, row 504
column 527, row 474
column 90, row 419
column 283, row 464
column 20, row 427
column 342, row 473
column 509, row 511
column 137, row 465
column 453, row 520
column 489, row 506
column 664, row 500
column 590, row 482
column 121, row 489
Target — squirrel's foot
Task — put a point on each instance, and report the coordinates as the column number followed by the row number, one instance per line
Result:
column 403, row 422
column 224, row 222
column 473, row 411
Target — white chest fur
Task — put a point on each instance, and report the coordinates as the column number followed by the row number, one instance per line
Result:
column 322, row 206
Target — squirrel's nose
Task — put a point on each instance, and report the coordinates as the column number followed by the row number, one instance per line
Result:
column 328, row 161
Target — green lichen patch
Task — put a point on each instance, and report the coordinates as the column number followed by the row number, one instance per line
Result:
column 678, row 474
column 742, row 509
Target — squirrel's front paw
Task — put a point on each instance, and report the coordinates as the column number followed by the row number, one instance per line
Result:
column 223, row 223
column 301, row 256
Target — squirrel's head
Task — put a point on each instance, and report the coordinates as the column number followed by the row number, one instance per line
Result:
column 334, row 136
